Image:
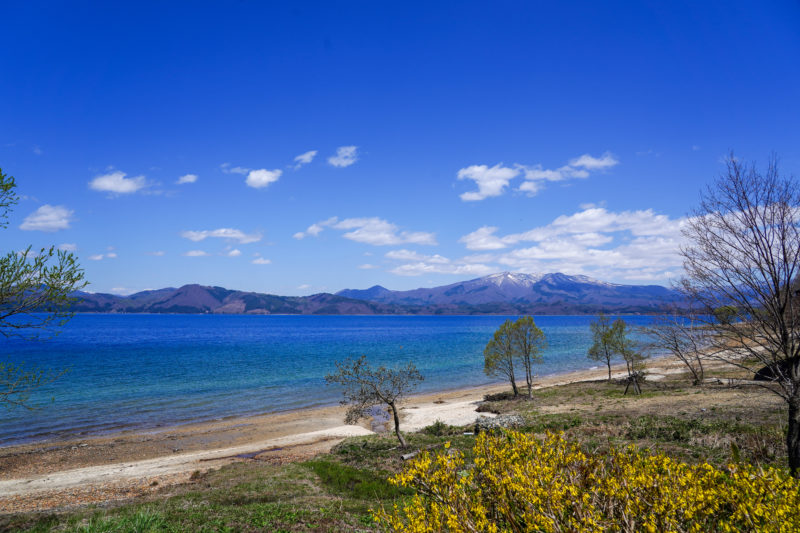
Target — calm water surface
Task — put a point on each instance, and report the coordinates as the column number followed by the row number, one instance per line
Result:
column 153, row 370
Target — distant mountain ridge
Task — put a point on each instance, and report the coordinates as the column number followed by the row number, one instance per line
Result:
column 503, row 293
column 541, row 293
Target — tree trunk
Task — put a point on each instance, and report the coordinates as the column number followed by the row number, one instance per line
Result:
column 608, row 362
column 397, row 425
column 514, row 386
column 529, row 379
column 793, row 435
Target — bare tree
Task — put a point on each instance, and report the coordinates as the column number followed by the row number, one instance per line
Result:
column 602, row 348
column 683, row 336
column 743, row 251
column 529, row 341
column 35, row 295
column 365, row 387
column 499, row 355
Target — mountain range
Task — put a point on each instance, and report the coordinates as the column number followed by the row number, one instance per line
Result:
column 504, row 293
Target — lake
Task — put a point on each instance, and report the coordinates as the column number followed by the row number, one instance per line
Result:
column 148, row 371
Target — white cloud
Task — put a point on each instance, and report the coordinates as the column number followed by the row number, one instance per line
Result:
column 418, row 269
column 408, row 255
column 261, row 261
column 304, row 286
column 629, row 245
column 196, row 253
column 48, row 218
column 68, row 247
column 228, row 169
column 304, row 159
column 187, row 178
column 115, row 182
column 491, row 181
column 157, row 253
column 607, row 160
column 367, row 266
column 100, row 257
column 230, row 234
column 483, row 238
column 345, row 156
column 373, row 230
column 234, row 253
column 258, row 179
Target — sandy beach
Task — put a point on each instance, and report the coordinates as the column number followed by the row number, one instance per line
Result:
column 132, row 463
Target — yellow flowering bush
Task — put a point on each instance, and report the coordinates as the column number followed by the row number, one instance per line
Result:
column 521, row 483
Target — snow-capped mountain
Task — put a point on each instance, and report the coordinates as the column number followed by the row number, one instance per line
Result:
column 545, row 291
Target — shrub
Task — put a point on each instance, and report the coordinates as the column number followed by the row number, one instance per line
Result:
column 520, row 483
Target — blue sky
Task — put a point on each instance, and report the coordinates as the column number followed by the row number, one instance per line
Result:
column 345, row 144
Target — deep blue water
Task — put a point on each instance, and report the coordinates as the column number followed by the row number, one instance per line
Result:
column 153, row 370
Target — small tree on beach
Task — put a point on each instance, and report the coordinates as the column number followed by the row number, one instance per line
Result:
column 35, row 289
column 602, row 348
column 630, row 351
column 499, row 355
column 743, row 252
column 529, row 342
column 365, row 386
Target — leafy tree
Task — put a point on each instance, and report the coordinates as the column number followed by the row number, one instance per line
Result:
column 520, row 341
column 602, row 348
column 743, row 251
column 529, row 341
column 365, row 387
column 35, row 290
column 629, row 350
column 499, row 355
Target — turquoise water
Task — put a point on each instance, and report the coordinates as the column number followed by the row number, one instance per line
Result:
column 147, row 371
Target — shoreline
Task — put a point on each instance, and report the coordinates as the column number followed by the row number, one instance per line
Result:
column 130, row 463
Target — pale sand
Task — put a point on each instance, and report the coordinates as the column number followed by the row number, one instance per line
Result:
column 137, row 458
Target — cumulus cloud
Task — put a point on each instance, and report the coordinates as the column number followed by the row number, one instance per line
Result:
column 261, row 261
column 116, row 183
column 234, row 253
column 491, row 181
column 372, row 230
column 157, row 253
column 304, row 286
column 416, row 264
column 48, row 218
column 258, row 179
column 196, row 253
column 629, row 245
column 95, row 257
column 68, row 247
column 187, row 178
column 580, row 167
column 345, row 156
column 230, row 234
column 367, row 266
column 304, row 159
column 100, row 257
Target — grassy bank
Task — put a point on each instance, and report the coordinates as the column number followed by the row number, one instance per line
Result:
column 717, row 423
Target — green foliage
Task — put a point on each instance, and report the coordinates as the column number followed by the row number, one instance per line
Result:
column 35, row 289
column 440, row 429
column 520, row 341
column 355, row 482
column 364, row 386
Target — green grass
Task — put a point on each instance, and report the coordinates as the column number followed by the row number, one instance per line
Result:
column 354, row 482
